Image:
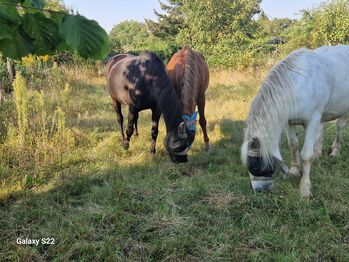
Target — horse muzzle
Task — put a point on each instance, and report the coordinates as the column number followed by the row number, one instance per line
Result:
column 261, row 183
column 179, row 158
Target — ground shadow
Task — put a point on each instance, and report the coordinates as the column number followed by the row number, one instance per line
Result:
column 154, row 211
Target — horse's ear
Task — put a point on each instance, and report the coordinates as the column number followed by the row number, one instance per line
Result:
column 182, row 130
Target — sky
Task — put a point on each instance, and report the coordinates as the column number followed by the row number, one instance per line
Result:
column 110, row 12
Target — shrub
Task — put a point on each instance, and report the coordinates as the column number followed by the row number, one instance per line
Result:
column 37, row 135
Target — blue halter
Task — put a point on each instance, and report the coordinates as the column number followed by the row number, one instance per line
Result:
column 190, row 121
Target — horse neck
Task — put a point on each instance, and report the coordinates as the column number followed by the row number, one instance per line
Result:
column 188, row 92
column 188, row 108
column 269, row 134
column 169, row 104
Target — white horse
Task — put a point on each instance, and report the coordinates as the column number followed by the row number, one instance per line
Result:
column 306, row 88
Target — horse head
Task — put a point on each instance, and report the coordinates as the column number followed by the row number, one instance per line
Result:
column 190, row 122
column 261, row 171
column 178, row 144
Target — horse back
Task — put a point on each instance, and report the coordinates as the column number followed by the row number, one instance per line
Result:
column 190, row 66
column 176, row 69
column 112, row 61
column 130, row 80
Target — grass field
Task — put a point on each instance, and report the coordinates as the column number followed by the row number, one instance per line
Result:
column 101, row 202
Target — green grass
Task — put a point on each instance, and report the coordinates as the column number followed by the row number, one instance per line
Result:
column 104, row 203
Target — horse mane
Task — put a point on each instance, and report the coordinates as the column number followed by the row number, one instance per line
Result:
column 273, row 105
column 170, row 106
column 163, row 91
column 191, row 76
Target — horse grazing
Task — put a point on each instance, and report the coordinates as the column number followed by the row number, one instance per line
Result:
column 306, row 88
column 189, row 75
column 141, row 82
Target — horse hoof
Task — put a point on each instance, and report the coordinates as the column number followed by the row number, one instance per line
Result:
column 136, row 135
column 335, row 153
column 306, row 193
column 317, row 155
column 126, row 145
column 304, row 189
column 153, row 151
column 207, row 147
column 294, row 171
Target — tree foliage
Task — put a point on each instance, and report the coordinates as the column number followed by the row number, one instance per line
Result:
column 233, row 33
column 229, row 21
column 170, row 21
column 272, row 28
column 134, row 37
column 326, row 24
column 226, row 35
column 27, row 29
column 129, row 35
column 331, row 21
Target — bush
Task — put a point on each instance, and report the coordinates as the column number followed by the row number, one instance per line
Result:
column 4, row 78
column 37, row 135
column 326, row 24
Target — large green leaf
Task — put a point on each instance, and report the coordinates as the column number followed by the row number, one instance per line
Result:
column 11, row 1
column 43, row 31
column 35, row 3
column 84, row 36
column 9, row 19
column 21, row 44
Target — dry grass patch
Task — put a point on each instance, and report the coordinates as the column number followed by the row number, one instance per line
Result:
column 219, row 199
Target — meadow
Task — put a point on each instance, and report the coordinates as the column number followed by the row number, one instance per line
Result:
column 64, row 175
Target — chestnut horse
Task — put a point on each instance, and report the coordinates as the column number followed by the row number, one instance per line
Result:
column 141, row 82
column 189, row 75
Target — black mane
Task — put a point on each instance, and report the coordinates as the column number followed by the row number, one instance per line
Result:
column 155, row 74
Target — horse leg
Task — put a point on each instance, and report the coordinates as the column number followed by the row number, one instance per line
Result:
column 132, row 112
column 136, row 125
column 340, row 124
column 120, row 118
column 319, row 142
column 308, row 153
column 203, row 122
column 155, row 117
column 292, row 138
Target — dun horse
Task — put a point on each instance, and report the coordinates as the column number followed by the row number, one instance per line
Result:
column 189, row 75
column 141, row 83
column 306, row 88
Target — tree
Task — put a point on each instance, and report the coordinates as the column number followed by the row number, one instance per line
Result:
column 300, row 33
column 128, row 35
column 326, row 24
column 133, row 37
column 223, row 23
column 170, row 22
column 26, row 28
column 270, row 28
column 331, row 21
